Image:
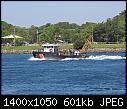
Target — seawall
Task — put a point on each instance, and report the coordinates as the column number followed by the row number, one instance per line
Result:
column 99, row 50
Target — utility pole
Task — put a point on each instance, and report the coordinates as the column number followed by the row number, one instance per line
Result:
column 117, row 31
column 37, row 37
column 28, row 33
column 14, row 35
column 117, row 39
column 105, row 31
column 92, row 33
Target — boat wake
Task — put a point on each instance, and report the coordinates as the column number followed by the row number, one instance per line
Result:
column 40, row 59
column 35, row 59
column 67, row 59
column 104, row 57
column 101, row 57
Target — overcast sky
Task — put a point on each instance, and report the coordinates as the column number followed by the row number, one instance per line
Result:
column 27, row 13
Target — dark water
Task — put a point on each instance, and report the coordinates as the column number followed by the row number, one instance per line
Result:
column 100, row 74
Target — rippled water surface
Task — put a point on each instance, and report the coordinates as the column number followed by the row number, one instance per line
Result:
column 99, row 74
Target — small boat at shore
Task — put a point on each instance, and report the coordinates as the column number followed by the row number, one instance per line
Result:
column 51, row 51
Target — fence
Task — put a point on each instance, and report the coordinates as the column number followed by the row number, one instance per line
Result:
column 109, row 42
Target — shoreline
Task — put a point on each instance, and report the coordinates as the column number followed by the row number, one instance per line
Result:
column 97, row 50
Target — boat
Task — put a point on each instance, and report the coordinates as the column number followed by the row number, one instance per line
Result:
column 51, row 51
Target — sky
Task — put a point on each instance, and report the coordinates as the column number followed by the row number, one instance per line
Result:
column 38, row 13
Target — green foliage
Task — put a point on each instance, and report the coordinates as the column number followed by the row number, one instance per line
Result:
column 79, row 43
column 6, row 28
column 47, row 33
column 113, row 30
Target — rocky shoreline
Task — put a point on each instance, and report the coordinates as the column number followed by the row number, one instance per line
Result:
column 101, row 50
column 98, row 50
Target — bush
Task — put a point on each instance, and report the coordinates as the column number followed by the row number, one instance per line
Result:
column 78, row 44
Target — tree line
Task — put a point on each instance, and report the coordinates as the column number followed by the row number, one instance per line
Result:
column 112, row 30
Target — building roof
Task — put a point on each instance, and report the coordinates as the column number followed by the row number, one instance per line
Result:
column 11, row 36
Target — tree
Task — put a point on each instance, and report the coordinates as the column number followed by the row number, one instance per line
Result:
column 112, row 30
column 78, row 44
column 33, row 34
column 47, row 33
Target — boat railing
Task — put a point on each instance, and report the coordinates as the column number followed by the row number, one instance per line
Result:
column 69, row 52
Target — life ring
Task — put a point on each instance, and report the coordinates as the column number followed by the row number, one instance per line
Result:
column 51, row 50
column 41, row 56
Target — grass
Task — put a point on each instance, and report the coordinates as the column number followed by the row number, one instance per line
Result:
column 107, row 45
column 66, row 46
column 69, row 46
column 63, row 46
column 20, row 47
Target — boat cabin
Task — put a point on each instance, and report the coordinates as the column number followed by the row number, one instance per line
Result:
column 50, row 47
